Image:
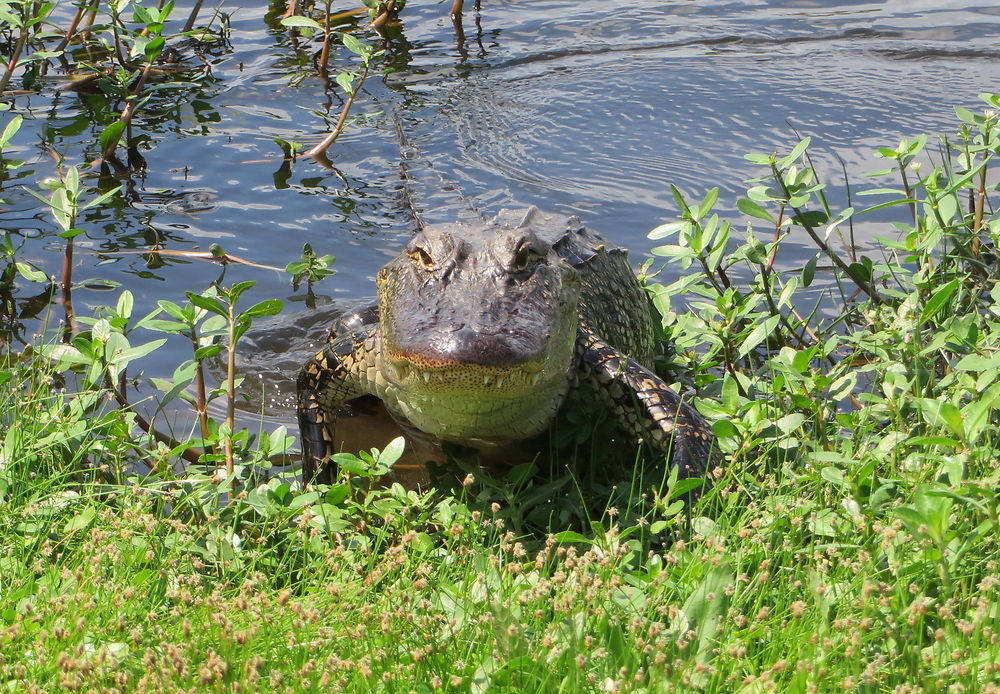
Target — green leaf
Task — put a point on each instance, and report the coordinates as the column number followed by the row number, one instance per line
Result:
column 392, row 451
column 682, row 487
column 80, row 520
column 30, row 273
column 931, row 441
column 10, row 130
column 572, row 536
column 794, row 154
column 237, row 289
column 938, row 413
column 64, row 353
column 834, row 475
column 111, row 134
column 723, row 428
column 132, row 353
column 667, row 229
column 350, row 462
column 207, row 351
column 101, row 199
column 790, row 422
column 730, row 393
column 207, row 303
column 300, row 21
column 760, row 332
column 809, row 271
column 141, row 15
column 912, row 518
column 938, row 300
column 976, row 414
column 167, row 326
column 270, row 307
column 355, row 45
column 173, row 310
column 673, row 251
column 183, row 377
column 752, row 209
column 346, row 81
column 708, row 203
column 59, row 206
column 974, row 362
column 153, row 49
column 811, row 218
column 679, row 199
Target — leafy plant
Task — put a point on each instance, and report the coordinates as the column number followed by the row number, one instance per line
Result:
column 312, row 268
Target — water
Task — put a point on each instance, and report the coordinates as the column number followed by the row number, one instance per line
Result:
column 587, row 108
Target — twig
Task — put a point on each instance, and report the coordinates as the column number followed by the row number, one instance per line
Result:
column 230, row 393
column 324, row 54
column 128, row 111
column 321, row 148
column 67, row 291
column 195, row 255
column 15, row 56
column 907, row 191
column 388, row 13
column 189, row 24
column 977, row 220
column 191, row 455
column 864, row 285
column 71, row 31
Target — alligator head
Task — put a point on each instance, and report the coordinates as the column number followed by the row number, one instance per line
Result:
column 477, row 329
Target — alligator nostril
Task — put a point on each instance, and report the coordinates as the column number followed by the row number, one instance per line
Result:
column 465, row 335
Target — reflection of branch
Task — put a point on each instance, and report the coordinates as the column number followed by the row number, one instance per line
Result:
column 195, row 255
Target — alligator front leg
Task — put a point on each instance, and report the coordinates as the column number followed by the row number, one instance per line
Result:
column 646, row 407
column 337, row 373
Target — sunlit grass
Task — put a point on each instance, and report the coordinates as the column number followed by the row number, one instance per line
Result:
column 780, row 583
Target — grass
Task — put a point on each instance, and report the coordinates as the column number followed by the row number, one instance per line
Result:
column 781, row 581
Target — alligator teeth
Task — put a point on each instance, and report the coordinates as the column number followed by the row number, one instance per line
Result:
column 427, row 376
column 536, row 378
column 487, row 380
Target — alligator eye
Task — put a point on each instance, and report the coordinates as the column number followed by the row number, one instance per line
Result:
column 525, row 257
column 422, row 257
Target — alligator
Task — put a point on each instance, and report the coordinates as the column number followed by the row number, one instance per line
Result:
column 483, row 332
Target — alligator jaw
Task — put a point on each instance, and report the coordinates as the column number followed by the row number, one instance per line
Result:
column 451, row 377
